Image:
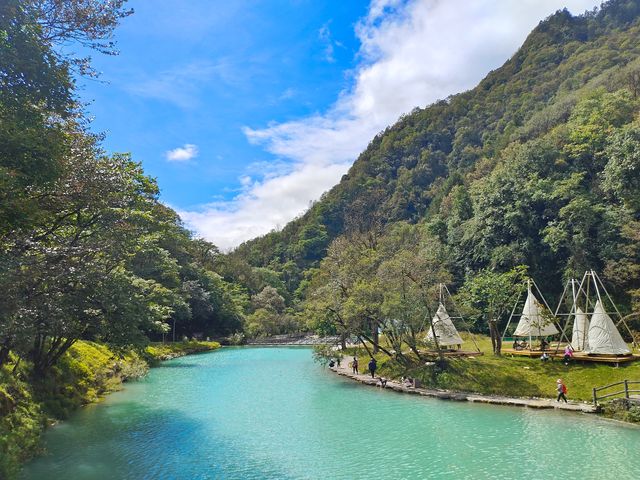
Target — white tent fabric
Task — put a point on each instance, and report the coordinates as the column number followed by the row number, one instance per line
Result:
column 604, row 337
column 532, row 323
column 445, row 329
column 579, row 337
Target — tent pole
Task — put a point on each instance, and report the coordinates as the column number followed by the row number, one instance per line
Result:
column 595, row 285
column 621, row 318
column 510, row 317
column 575, row 310
column 564, row 292
column 466, row 325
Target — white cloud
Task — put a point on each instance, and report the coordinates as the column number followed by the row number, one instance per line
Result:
column 324, row 34
column 182, row 154
column 182, row 84
column 412, row 53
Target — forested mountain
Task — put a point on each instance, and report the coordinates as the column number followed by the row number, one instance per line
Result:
column 539, row 165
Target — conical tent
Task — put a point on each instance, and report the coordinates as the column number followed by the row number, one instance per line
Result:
column 446, row 332
column 532, row 322
column 579, row 337
column 604, row 337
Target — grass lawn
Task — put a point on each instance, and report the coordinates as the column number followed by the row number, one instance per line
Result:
column 512, row 376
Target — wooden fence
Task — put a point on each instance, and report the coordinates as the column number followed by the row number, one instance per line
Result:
column 626, row 390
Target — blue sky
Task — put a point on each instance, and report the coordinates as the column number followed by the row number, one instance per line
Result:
column 198, row 71
column 247, row 110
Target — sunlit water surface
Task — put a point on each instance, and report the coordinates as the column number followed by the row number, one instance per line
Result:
column 271, row 413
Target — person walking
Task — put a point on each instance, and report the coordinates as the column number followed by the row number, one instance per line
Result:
column 561, row 388
column 372, row 367
column 354, row 364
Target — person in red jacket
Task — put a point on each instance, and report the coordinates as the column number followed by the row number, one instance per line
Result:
column 562, row 390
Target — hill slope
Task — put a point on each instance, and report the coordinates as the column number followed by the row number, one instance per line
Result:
column 536, row 165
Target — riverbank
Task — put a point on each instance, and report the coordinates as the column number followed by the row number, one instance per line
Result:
column 85, row 374
column 292, row 339
column 538, row 403
column 512, row 378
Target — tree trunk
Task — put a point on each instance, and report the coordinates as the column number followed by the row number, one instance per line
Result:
column 382, row 349
column 44, row 360
column 343, row 340
column 365, row 347
column 414, row 350
column 375, row 335
column 435, row 340
column 496, row 340
column 4, row 355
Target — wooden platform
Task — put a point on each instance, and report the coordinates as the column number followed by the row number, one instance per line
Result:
column 577, row 356
column 525, row 353
column 452, row 353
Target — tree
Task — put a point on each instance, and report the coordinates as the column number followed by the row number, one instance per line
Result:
column 622, row 172
column 492, row 294
column 414, row 265
column 269, row 299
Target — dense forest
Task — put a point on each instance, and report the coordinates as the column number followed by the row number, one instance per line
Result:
column 87, row 251
column 535, row 172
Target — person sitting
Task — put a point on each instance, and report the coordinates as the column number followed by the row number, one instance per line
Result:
column 544, row 344
column 568, row 353
column 545, row 357
column 408, row 382
column 331, row 363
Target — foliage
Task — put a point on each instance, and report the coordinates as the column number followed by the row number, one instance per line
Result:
column 166, row 351
column 536, row 166
column 85, row 373
column 86, row 249
column 21, row 421
column 492, row 294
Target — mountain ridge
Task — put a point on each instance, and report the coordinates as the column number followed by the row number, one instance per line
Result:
column 409, row 171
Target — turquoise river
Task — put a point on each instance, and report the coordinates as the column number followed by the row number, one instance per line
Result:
column 271, row 413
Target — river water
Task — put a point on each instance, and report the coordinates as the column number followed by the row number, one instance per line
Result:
column 271, row 413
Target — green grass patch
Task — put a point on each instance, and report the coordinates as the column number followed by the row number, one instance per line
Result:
column 165, row 351
column 87, row 372
column 506, row 375
column 21, row 422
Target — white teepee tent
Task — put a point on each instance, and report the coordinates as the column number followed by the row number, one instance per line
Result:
column 579, row 337
column 604, row 337
column 446, row 332
column 532, row 321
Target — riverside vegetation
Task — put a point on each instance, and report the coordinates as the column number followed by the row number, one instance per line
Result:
column 85, row 373
column 532, row 173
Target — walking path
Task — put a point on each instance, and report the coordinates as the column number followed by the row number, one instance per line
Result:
column 541, row 403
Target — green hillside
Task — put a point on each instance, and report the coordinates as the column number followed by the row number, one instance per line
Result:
column 536, row 166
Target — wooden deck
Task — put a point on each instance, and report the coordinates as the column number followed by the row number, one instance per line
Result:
column 577, row 356
column 453, row 353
